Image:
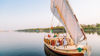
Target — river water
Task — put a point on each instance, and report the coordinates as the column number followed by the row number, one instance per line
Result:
column 31, row 44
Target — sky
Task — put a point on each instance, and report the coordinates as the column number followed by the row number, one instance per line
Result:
column 24, row 14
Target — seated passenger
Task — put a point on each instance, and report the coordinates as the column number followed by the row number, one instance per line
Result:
column 64, row 42
column 57, row 43
column 49, row 35
column 55, row 35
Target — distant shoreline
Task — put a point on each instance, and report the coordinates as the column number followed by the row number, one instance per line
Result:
column 60, row 29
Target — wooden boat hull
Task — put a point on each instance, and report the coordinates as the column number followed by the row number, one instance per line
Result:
column 54, row 53
column 49, row 52
column 65, row 53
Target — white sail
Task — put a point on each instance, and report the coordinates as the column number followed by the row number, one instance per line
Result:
column 63, row 12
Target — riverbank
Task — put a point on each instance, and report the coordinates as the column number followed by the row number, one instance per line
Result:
column 60, row 29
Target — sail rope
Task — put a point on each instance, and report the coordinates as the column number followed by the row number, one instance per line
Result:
column 52, row 21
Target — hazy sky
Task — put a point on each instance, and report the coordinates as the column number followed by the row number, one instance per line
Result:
column 21, row 14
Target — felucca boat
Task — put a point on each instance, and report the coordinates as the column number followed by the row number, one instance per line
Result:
column 75, row 38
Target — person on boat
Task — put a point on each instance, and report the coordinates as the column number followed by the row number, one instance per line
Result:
column 60, row 41
column 64, row 42
column 49, row 36
column 68, row 40
column 71, row 42
column 53, row 42
column 55, row 35
column 57, row 42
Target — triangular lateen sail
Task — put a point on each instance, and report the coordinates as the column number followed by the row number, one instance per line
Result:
column 63, row 12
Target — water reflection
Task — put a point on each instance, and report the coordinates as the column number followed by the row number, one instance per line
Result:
column 21, row 44
column 31, row 44
column 98, row 32
column 92, row 32
column 48, row 52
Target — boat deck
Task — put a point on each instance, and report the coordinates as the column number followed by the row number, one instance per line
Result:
column 66, row 52
column 69, row 50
